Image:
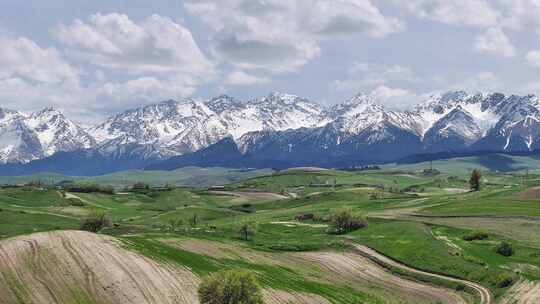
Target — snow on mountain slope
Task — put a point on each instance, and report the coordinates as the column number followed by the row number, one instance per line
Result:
column 185, row 126
column 18, row 143
column 57, row 133
column 455, row 130
column 483, row 112
column 362, row 112
column 26, row 137
column 502, row 122
column 286, row 123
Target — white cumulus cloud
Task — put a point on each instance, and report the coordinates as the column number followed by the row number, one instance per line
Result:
column 283, row 35
column 533, row 58
column 495, row 41
column 155, row 45
column 241, row 78
column 22, row 57
column 362, row 75
column 479, row 13
column 395, row 98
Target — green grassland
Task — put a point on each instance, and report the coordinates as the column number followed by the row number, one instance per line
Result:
column 464, row 165
column 414, row 218
column 188, row 176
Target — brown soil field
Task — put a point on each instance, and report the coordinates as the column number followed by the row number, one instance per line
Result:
column 523, row 292
column 357, row 270
column 336, row 268
column 531, row 193
column 81, row 267
column 75, row 266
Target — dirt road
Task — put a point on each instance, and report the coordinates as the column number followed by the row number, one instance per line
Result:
column 252, row 195
column 484, row 293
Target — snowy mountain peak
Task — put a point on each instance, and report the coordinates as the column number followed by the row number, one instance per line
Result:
column 25, row 137
column 361, row 98
column 283, row 98
column 276, row 99
column 189, row 125
column 452, row 96
column 358, row 104
column 451, row 120
column 7, row 114
column 223, row 103
column 47, row 110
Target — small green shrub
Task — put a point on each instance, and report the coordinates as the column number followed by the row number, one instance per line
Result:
column 247, row 230
column 476, row 236
column 345, row 221
column 75, row 202
column 246, row 208
column 227, row 287
column 95, row 222
column 304, row 216
column 504, row 280
column 175, row 223
column 504, row 249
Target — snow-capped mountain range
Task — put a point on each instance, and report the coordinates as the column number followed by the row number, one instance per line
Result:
column 25, row 137
column 284, row 127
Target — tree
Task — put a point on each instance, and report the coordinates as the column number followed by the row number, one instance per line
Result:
column 247, row 229
column 227, row 287
column 345, row 221
column 505, row 249
column 175, row 223
column 474, row 181
column 95, row 222
column 194, row 220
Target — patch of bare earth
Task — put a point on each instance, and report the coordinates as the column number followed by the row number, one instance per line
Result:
column 252, row 195
column 339, row 268
column 359, row 271
column 226, row 251
column 82, row 267
column 75, row 266
column 308, row 169
column 523, row 292
column 531, row 193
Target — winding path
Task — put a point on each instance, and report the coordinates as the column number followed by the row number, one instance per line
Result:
column 485, row 294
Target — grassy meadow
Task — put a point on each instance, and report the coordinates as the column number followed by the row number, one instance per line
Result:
column 417, row 219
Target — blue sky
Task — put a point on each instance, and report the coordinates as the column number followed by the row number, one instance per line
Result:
column 94, row 58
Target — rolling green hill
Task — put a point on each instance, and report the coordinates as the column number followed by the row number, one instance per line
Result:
column 188, row 176
column 464, row 165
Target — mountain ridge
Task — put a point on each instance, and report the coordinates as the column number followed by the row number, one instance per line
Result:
column 282, row 128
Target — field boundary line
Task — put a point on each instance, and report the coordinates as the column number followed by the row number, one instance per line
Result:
column 486, row 297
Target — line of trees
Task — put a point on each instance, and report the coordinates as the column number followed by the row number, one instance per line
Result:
column 88, row 188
